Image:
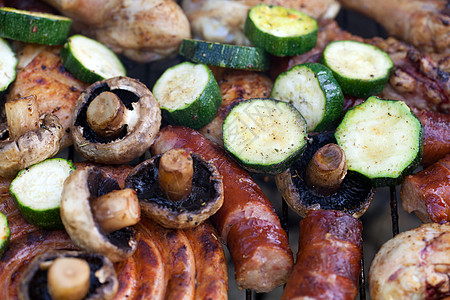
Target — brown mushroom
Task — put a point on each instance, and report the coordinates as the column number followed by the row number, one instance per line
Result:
column 115, row 121
column 68, row 274
column 319, row 180
column 30, row 137
column 92, row 223
column 196, row 196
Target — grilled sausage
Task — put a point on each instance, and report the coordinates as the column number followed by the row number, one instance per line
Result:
column 329, row 257
column 244, row 204
column 211, row 279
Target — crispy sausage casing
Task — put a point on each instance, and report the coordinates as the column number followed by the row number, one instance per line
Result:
column 329, row 257
column 266, row 243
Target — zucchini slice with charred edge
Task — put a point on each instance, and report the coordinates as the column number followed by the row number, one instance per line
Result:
column 37, row 191
column 280, row 31
column 382, row 139
column 313, row 91
column 188, row 95
column 33, row 27
column 362, row 70
column 225, row 55
column 264, row 135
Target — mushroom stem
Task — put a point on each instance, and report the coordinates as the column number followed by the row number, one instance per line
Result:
column 326, row 170
column 116, row 210
column 68, row 278
column 105, row 114
column 22, row 115
column 175, row 174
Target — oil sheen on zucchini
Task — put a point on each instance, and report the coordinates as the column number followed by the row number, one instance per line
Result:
column 37, row 191
column 362, row 70
column 264, row 135
column 279, row 30
column 313, row 91
column 382, row 139
column 188, row 95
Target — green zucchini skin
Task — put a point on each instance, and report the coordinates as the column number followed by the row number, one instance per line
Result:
column 5, row 235
column 330, row 88
column 74, row 66
column 396, row 176
column 244, row 130
column 30, row 28
column 277, row 45
column 201, row 111
column 225, row 55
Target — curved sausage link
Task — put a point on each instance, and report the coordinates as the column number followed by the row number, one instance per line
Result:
column 244, row 202
column 329, row 257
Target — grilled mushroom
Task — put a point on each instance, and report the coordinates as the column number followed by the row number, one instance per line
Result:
column 29, row 137
column 319, row 180
column 115, row 121
column 97, row 215
column 65, row 274
column 177, row 189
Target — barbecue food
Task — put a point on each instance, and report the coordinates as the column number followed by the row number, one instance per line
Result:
column 41, row 73
column 421, row 80
column 246, row 221
column 427, row 193
column 223, row 21
column 413, row 265
column 425, row 24
column 329, row 257
column 235, row 86
column 144, row 30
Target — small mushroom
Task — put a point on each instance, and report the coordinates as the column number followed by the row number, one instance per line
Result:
column 28, row 138
column 177, row 189
column 65, row 274
column 319, row 180
column 97, row 215
column 115, row 121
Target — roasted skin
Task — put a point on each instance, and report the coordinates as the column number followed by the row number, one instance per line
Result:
column 246, row 221
column 236, row 86
column 144, row 30
column 223, row 21
column 413, row 265
column 41, row 73
column 329, row 257
column 423, row 23
column 427, row 193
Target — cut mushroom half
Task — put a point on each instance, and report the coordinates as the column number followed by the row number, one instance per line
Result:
column 97, row 215
column 28, row 138
column 115, row 121
column 66, row 274
column 319, row 180
column 177, row 189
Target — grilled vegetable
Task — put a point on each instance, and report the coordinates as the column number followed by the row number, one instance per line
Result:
column 37, row 191
column 225, row 55
column 280, row 31
column 382, row 139
column 8, row 63
column 264, row 135
column 188, row 95
column 5, row 234
column 33, row 27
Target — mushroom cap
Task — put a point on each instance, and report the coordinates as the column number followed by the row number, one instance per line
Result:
column 82, row 186
column 204, row 200
column 143, row 122
column 32, row 147
column 103, row 282
column 354, row 195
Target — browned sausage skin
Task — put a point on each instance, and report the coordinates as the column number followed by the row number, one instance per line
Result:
column 211, row 279
column 244, row 204
column 329, row 257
